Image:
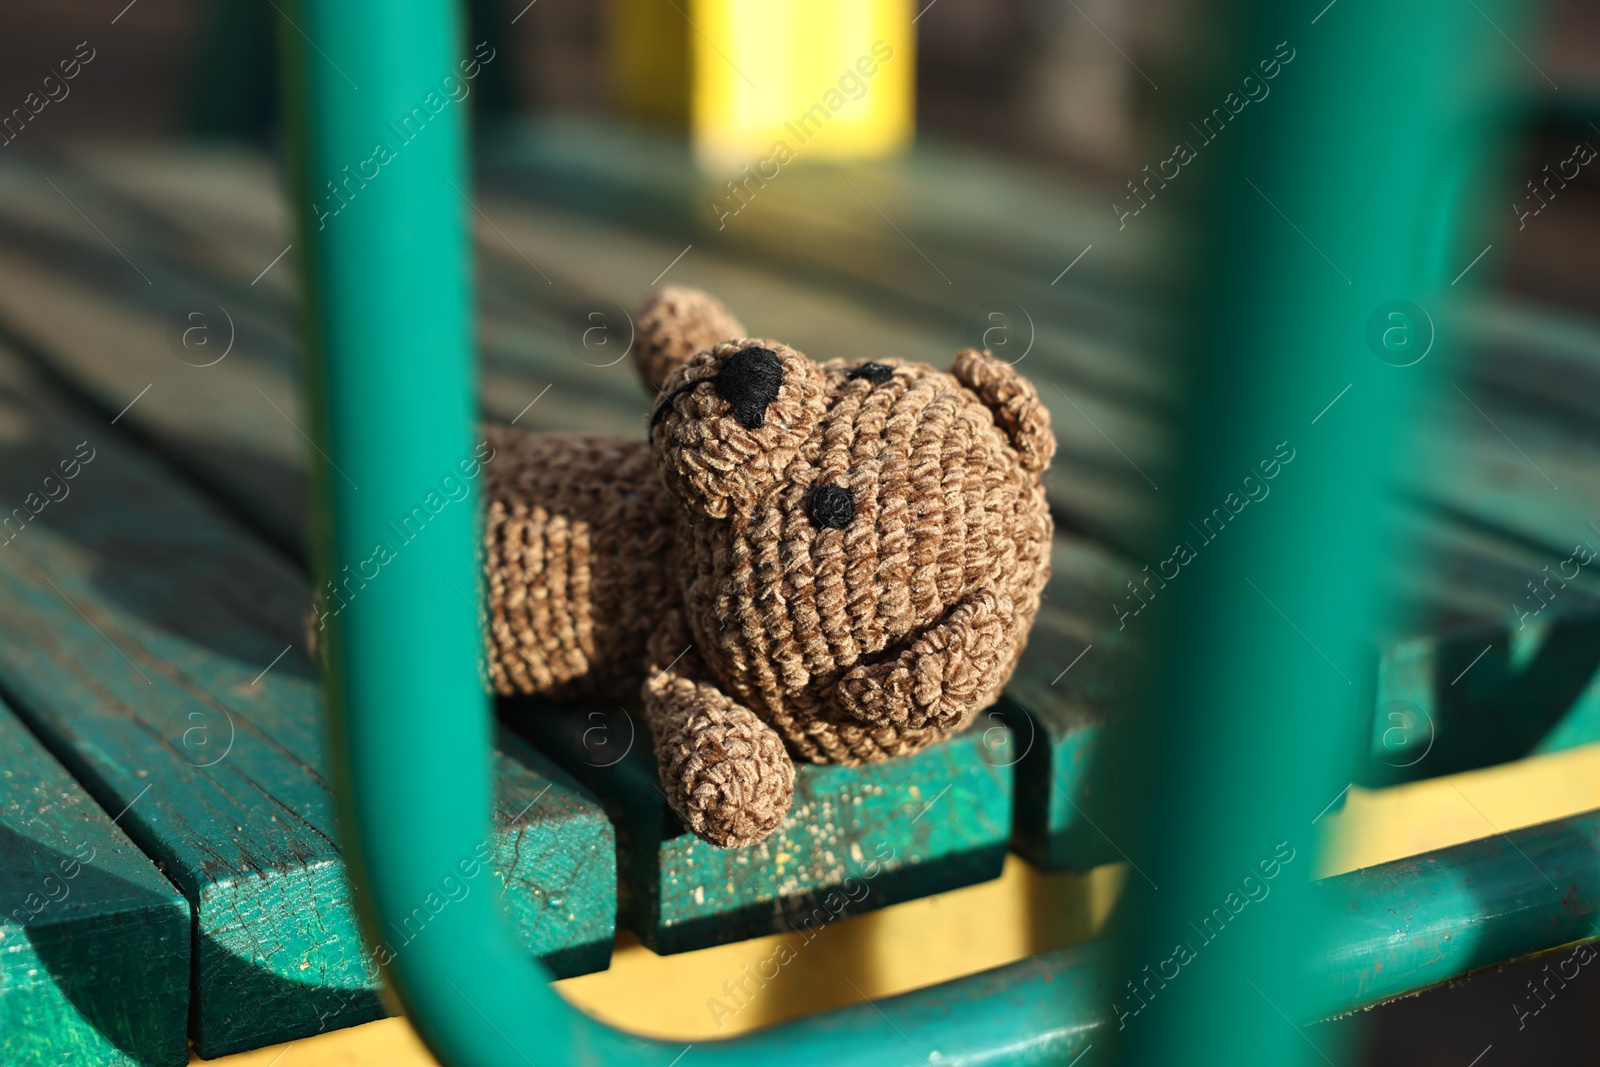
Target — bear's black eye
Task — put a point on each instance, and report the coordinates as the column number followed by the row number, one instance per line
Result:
column 749, row 381
column 876, row 373
column 832, row 506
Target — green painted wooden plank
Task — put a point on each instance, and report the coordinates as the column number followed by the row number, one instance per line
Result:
column 1485, row 697
column 1096, row 488
column 155, row 648
column 988, row 215
column 220, row 184
column 968, row 206
column 939, row 864
column 1070, row 685
column 1109, row 399
column 976, row 203
column 856, row 839
column 94, row 942
column 1463, row 572
column 1492, row 488
column 97, row 322
column 1550, row 359
column 927, row 864
column 1093, row 481
column 1457, row 575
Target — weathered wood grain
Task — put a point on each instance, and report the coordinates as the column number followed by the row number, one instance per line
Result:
column 856, row 838
column 94, row 942
column 155, row 647
column 94, row 320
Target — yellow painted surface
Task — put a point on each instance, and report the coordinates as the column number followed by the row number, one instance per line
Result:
column 1388, row 824
column 923, row 942
column 385, row 1043
column 828, row 79
column 765, row 84
column 718, row 992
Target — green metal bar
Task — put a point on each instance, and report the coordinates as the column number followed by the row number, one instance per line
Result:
column 391, row 382
column 1383, row 932
column 1329, row 184
column 1403, row 926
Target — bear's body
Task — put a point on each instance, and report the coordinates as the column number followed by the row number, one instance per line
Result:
column 580, row 535
column 838, row 562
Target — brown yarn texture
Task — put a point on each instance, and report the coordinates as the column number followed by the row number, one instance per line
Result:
column 697, row 563
column 579, row 537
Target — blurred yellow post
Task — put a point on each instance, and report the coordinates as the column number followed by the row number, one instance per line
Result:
column 768, row 82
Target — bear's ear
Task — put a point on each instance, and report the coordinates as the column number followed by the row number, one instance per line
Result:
column 732, row 419
column 1017, row 409
column 674, row 324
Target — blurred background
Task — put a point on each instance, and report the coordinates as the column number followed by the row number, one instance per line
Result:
column 1038, row 80
column 600, row 112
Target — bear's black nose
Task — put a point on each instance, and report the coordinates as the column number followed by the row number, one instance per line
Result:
column 749, row 381
column 832, row 506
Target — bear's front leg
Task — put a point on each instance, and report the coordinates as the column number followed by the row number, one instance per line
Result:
column 725, row 772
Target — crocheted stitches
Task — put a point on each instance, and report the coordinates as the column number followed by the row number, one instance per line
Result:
column 876, row 639
column 578, row 538
column 838, row 563
column 724, row 770
column 674, row 324
column 705, row 455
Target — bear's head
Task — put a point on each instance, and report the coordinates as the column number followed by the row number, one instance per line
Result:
column 863, row 543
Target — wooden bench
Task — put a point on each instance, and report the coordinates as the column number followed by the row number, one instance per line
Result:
column 154, row 647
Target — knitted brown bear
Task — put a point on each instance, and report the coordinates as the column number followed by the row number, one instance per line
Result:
column 836, row 562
